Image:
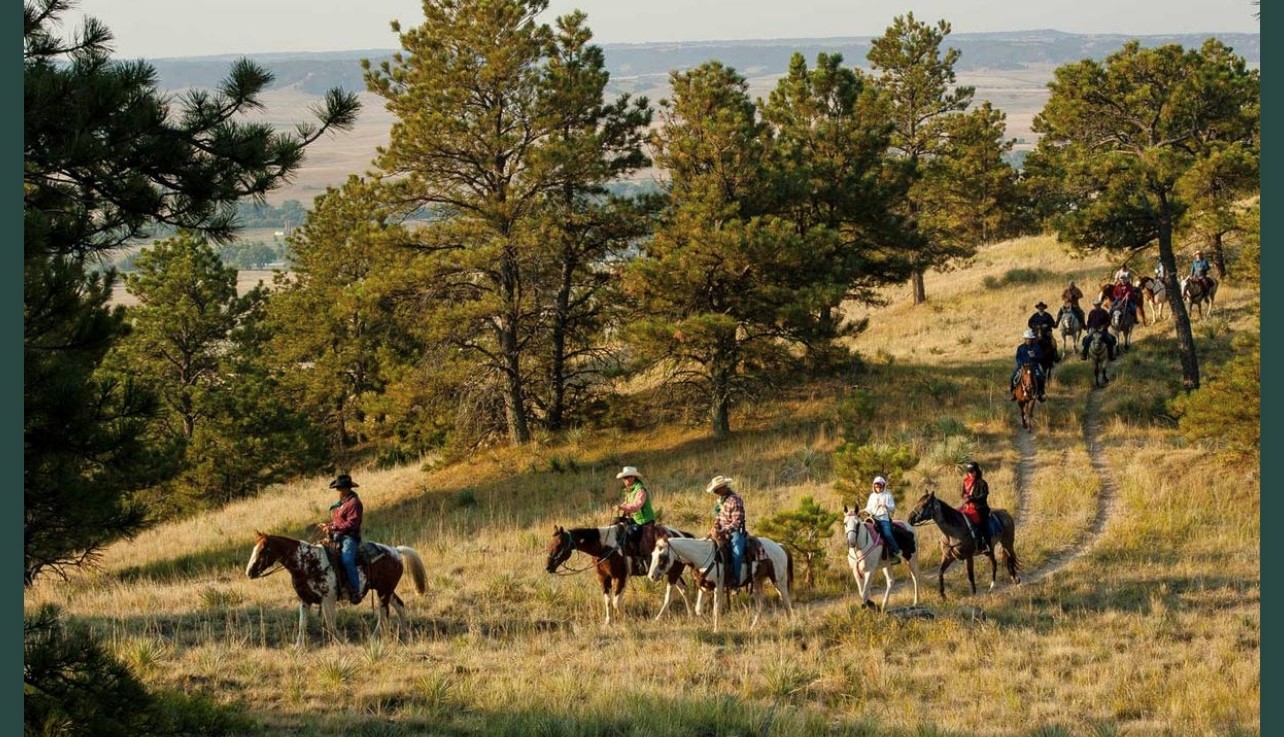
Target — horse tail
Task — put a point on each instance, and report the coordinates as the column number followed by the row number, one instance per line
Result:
column 416, row 565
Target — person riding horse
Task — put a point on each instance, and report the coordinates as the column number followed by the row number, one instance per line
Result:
column 1071, row 297
column 1098, row 321
column 1199, row 269
column 880, row 506
column 729, row 523
column 344, row 529
column 1124, row 297
column 1028, row 352
column 1043, row 324
column 976, row 505
column 637, row 510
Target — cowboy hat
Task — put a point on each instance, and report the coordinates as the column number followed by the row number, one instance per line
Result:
column 343, row 481
column 1097, row 301
column 1040, row 305
column 1028, row 335
column 717, row 483
column 629, row 471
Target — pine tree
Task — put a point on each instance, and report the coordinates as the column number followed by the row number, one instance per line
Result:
column 1122, row 139
column 916, row 77
column 106, row 157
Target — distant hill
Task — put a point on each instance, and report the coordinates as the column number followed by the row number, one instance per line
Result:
column 316, row 72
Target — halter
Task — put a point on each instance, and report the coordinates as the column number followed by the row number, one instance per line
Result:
column 570, row 543
column 863, row 552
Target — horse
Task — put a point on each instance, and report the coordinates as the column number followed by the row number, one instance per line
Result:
column 1098, row 351
column 702, row 555
column 865, row 554
column 315, row 576
column 612, row 566
column 956, row 538
column 1156, row 293
column 1026, row 393
column 1122, row 320
column 1071, row 327
column 1195, row 293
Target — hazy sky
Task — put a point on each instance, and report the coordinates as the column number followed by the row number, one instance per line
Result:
column 164, row 28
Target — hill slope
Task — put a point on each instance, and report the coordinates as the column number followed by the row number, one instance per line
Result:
column 1127, row 572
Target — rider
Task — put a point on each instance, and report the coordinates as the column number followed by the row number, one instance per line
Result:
column 636, row 507
column 976, row 505
column 1199, row 269
column 1042, row 324
column 1124, row 274
column 1028, row 352
column 344, row 528
column 729, row 522
column 880, row 506
column 1071, row 297
column 1098, row 319
column 1125, row 294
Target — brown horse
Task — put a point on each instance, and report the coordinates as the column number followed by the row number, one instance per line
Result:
column 314, row 571
column 1026, row 393
column 957, row 542
column 1154, row 292
column 612, row 566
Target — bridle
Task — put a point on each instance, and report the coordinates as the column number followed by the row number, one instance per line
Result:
column 568, row 543
column 852, row 551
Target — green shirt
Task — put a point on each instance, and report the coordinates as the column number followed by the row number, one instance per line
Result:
column 637, row 503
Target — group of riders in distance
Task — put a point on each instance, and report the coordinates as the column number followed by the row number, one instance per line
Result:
column 1118, row 306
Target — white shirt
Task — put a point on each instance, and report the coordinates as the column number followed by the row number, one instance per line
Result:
column 881, row 504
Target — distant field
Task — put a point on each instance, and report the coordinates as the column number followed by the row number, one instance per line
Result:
column 246, row 280
column 1020, row 93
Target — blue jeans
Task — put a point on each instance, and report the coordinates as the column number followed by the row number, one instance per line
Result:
column 348, row 554
column 737, row 554
column 885, row 526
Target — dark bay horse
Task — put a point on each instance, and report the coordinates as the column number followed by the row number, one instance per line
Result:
column 315, row 576
column 605, row 546
column 956, row 538
column 1026, row 393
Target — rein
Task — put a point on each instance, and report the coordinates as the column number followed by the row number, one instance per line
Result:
column 562, row 570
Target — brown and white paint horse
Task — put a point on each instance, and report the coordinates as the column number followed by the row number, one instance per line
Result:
column 316, row 581
column 701, row 555
column 612, row 566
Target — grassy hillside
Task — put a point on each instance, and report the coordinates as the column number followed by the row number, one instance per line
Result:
column 1140, row 614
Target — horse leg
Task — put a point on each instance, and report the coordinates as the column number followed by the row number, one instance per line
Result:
column 971, row 576
column 940, row 574
column 913, row 571
column 303, row 624
column 887, row 592
column 604, row 580
column 994, row 568
column 327, row 617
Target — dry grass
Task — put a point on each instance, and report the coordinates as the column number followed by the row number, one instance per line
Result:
column 1153, row 628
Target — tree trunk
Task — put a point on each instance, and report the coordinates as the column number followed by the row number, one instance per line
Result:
column 1181, row 318
column 1219, row 256
column 916, row 285
column 720, row 411
column 510, row 349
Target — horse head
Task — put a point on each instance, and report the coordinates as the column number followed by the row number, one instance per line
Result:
column 661, row 556
column 559, row 549
column 263, row 557
column 925, row 509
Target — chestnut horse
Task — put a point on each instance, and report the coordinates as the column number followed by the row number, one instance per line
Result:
column 1156, row 293
column 314, row 574
column 956, row 538
column 1026, row 393
column 605, row 546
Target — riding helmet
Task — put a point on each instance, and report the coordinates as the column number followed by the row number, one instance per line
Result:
column 971, row 467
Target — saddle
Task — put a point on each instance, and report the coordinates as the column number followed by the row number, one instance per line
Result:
column 905, row 539
column 367, row 554
column 754, row 552
column 638, row 552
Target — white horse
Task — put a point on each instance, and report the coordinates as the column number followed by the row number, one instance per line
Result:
column 710, row 572
column 865, row 555
column 1070, row 326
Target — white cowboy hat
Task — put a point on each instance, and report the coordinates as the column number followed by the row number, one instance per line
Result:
column 880, row 480
column 717, row 483
column 1028, row 335
column 1097, row 301
column 627, row 472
